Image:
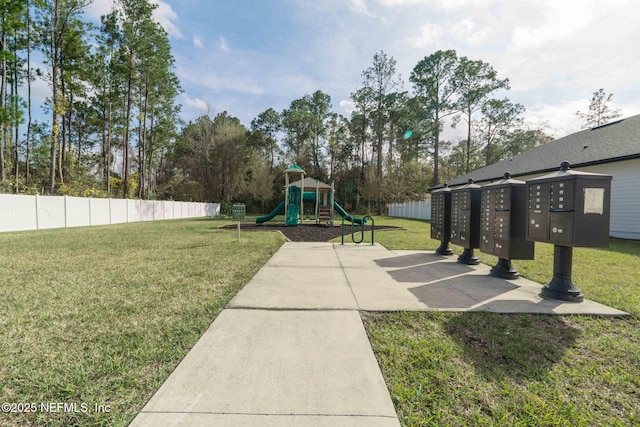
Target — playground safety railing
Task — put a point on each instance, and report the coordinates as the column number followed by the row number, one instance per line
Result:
column 353, row 230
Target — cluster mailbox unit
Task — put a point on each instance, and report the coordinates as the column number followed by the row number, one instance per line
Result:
column 465, row 220
column 504, row 224
column 441, row 219
column 568, row 209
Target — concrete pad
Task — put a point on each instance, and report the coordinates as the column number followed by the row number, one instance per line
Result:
column 296, row 288
column 380, row 292
column 233, row 420
column 293, row 363
column 361, row 256
column 422, row 280
column 303, row 257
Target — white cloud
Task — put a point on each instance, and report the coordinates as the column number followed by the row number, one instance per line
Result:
column 197, row 42
column 98, row 8
column 166, row 17
column 360, row 6
column 429, row 35
column 223, row 44
column 468, row 32
column 193, row 106
column 562, row 19
column 347, row 106
column 163, row 14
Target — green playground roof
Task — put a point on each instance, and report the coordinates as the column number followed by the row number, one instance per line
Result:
column 294, row 168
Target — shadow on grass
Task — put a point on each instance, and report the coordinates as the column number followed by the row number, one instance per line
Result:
column 623, row 246
column 515, row 347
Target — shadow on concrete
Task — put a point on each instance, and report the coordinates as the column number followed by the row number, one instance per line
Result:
column 409, row 260
column 518, row 347
column 460, row 292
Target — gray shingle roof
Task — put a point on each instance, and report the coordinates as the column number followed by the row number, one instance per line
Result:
column 311, row 183
column 619, row 140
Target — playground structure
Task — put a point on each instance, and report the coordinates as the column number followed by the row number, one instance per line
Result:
column 308, row 191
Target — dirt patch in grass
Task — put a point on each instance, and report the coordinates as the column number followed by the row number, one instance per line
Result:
column 309, row 232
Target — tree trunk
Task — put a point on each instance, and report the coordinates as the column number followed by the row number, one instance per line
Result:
column 28, row 136
column 3, row 107
column 436, row 147
column 125, row 149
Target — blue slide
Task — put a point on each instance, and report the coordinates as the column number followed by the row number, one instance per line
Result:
column 270, row 216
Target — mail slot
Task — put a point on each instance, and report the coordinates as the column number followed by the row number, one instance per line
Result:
column 568, row 209
column 465, row 220
column 441, row 218
column 504, row 224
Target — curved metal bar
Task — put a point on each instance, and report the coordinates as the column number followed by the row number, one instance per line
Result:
column 353, row 230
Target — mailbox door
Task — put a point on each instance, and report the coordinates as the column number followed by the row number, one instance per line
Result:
column 561, row 196
column 502, row 235
column 464, row 228
column 538, row 226
column 561, row 228
column 487, row 220
column 503, row 199
column 437, row 210
column 455, row 225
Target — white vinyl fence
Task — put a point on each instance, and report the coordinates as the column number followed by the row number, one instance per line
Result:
column 415, row 210
column 21, row 212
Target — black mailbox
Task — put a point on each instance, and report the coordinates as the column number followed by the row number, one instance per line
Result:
column 504, row 224
column 441, row 218
column 465, row 220
column 568, row 209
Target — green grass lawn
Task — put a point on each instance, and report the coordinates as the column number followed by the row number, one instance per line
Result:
column 102, row 315
column 483, row 369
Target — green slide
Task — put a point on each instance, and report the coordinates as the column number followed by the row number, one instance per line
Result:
column 345, row 215
column 270, row 216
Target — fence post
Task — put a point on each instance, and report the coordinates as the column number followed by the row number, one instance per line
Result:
column 37, row 213
column 65, row 210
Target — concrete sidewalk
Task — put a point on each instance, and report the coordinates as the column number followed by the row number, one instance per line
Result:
column 291, row 349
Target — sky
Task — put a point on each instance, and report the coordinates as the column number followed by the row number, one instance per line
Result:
column 245, row 56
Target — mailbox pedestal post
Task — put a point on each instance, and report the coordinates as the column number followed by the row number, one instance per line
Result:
column 504, row 270
column 561, row 287
column 444, row 248
column 468, row 257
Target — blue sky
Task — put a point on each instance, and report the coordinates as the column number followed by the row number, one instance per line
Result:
column 244, row 56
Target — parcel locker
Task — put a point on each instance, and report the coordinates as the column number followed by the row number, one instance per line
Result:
column 465, row 220
column 504, row 224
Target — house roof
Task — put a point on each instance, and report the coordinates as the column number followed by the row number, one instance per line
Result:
column 619, row 140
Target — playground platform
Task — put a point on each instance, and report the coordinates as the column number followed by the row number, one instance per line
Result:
column 291, row 349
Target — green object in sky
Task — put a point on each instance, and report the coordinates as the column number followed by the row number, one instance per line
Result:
column 407, row 134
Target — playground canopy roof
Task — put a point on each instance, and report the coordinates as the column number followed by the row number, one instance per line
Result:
column 294, row 168
column 311, row 184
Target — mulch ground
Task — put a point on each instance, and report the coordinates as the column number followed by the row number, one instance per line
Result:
column 309, row 232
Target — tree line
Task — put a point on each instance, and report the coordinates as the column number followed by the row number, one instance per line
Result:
column 111, row 107
column 390, row 149
column 114, row 129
